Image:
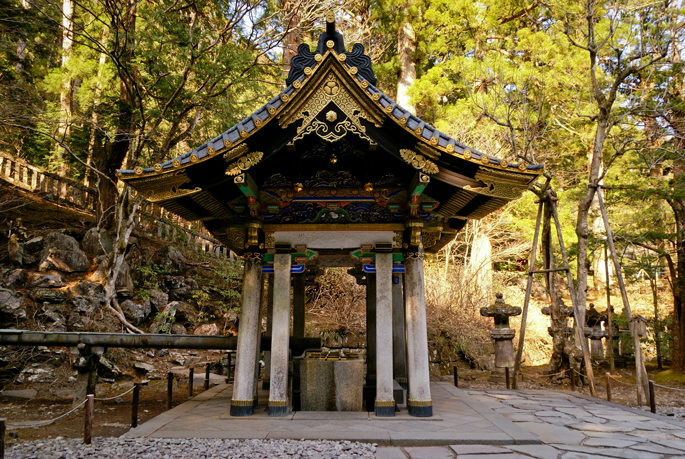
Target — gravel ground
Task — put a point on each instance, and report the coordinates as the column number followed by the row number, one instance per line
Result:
column 162, row 448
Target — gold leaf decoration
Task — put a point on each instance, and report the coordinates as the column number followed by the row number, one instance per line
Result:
column 237, row 151
column 331, row 90
column 164, row 187
column 418, row 161
column 244, row 163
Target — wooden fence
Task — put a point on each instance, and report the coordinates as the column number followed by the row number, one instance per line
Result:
column 152, row 219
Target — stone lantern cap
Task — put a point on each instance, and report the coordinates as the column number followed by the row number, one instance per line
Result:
column 500, row 311
column 566, row 312
column 593, row 317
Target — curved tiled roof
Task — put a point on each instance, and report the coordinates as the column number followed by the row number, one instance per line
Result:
column 304, row 65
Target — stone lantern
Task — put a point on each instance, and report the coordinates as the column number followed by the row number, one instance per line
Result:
column 502, row 334
column 593, row 330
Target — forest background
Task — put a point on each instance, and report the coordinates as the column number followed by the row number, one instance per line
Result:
column 592, row 89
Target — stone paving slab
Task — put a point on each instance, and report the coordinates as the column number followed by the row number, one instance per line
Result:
column 458, row 419
column 485, row 424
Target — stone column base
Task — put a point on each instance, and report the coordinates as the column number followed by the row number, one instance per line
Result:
column 420, row 408
column 385, row 408
column 277, row 408
column 242, row 407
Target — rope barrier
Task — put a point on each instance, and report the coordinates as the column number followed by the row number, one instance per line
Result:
column 622, row 382
column 530, row 375
column 670, row 388
column 116, row 396
column 23, row 425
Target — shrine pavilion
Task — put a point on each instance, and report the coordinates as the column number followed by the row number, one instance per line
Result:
column 333, row 173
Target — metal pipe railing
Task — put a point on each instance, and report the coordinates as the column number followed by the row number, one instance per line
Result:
column 142, row 341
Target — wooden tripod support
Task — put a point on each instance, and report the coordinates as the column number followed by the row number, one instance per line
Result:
column 580, row 327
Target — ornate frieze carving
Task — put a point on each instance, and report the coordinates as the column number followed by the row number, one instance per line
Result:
column 331, row 90
column 500, row 183
column 164, row 187
column 244, row 163
column 418, row 161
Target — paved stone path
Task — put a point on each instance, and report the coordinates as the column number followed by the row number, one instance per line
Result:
column 459, row 419
column 469, row 424
column 572, row 426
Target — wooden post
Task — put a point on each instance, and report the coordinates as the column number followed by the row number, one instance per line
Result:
column 608, row 387
column 610, row 325
column 506, row 376
column 88, row 427
column 3, row 423
column 580, row 333
column 169, row 389
column 529, row 286
column 191, row 376
column 207, row 377
column 456, row 378
column 134, row 405
column 652, row 398
column 573, row 379
column 640, row 370
column 228, row 371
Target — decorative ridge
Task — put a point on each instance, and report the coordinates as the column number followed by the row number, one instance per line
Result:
column 306, row 59
column 303, row 65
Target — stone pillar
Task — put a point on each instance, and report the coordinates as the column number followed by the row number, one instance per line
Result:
column 419, row 398
column 399, row 349
column 242, row 403
column 269, row 321
column 280, row 337
column 298, row 305
column 370, row 389
column 258, row 347
column 385, row 404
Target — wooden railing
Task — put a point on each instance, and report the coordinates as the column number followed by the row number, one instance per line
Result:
column 152, row 219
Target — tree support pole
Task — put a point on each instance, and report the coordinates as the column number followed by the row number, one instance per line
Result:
column 580, row 326
column 529, row 285
column 640, row 370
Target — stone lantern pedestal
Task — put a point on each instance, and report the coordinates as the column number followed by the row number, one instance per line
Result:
column 502, row 334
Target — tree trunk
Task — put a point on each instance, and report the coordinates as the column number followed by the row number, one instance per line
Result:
column 654, row 284
column 115, row 153
column 95, row 118
column 558, row 320
column 582, row 228
column 293, row 36
column 66, row 99
column 406, row 43
column 678, row 328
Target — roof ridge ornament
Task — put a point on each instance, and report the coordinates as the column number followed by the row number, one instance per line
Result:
column 304, row 58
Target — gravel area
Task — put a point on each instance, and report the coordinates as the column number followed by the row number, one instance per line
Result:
column 163, row 448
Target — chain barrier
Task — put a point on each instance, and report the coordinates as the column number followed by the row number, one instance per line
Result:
column 23, row 425
column 116, row 396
